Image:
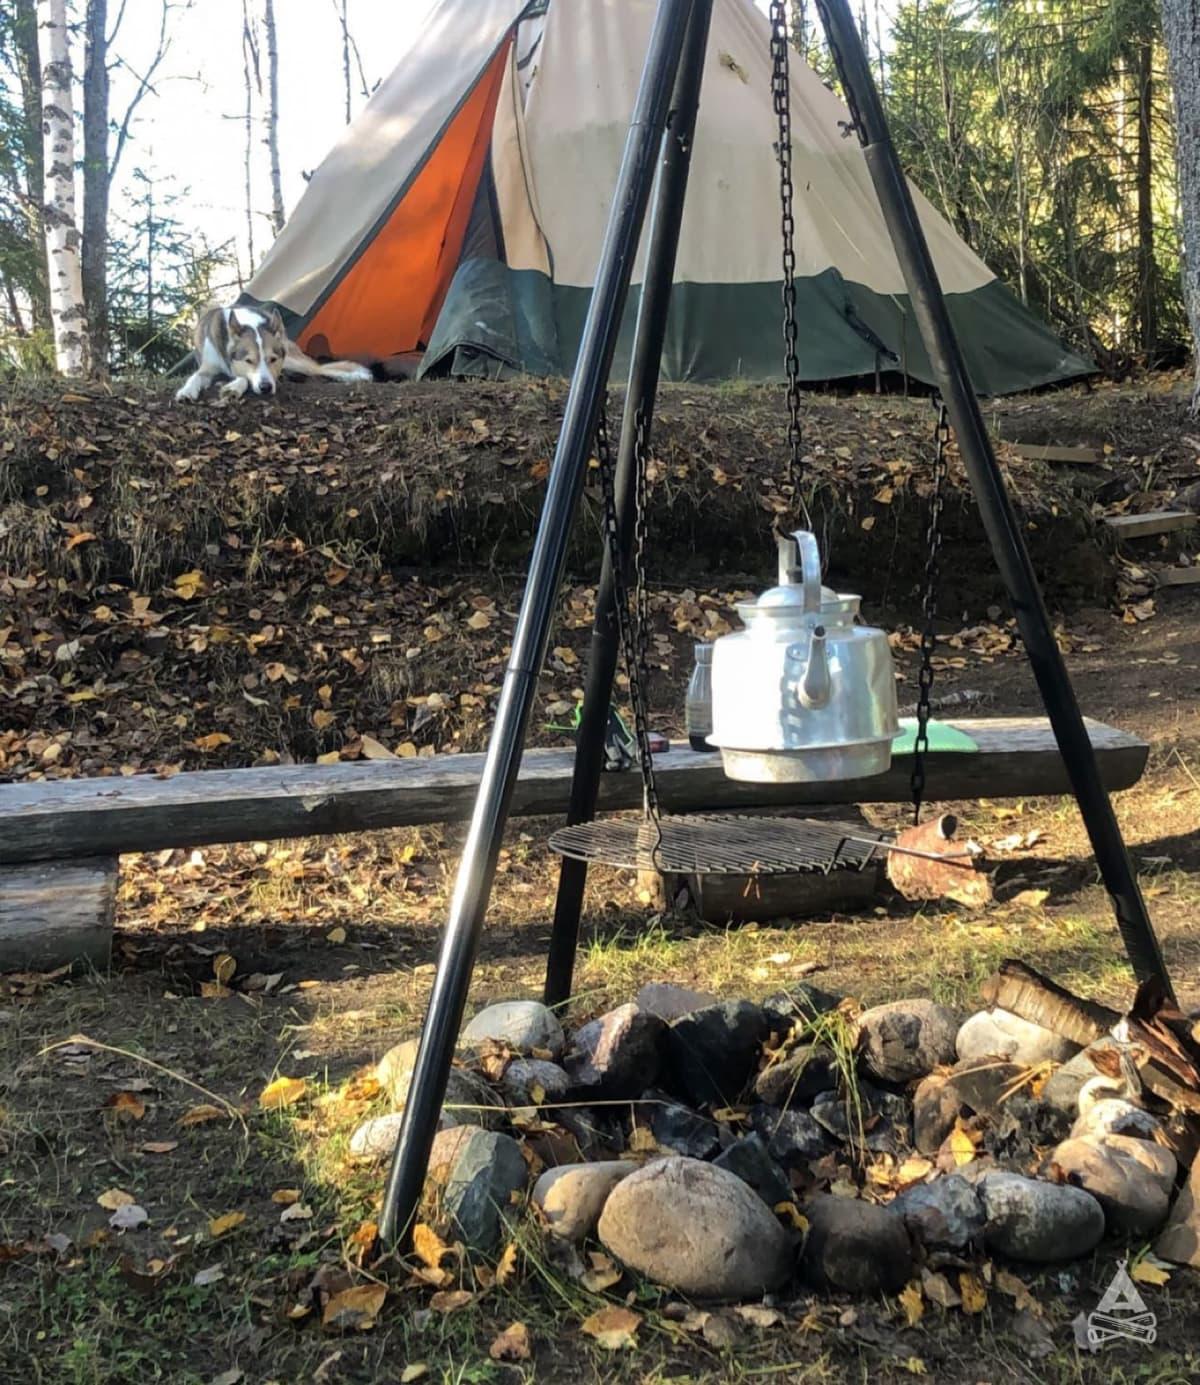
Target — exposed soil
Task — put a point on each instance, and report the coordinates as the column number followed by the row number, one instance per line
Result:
column 298, row 608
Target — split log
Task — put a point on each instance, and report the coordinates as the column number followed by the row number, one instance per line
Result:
column 1028, row 994
column 57, row 912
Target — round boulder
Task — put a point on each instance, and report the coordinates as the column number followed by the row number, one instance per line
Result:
column 1038, row 1222
column 572, row 1196
column 857, row 1247
column 906, row 1039
column 521, row 1024
column 1131, row 1179
column 696, row 1229
column 1001, row 1034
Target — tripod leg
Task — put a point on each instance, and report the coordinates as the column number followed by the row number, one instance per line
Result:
column 670, row 191
column 502, row 762
column 995, row 508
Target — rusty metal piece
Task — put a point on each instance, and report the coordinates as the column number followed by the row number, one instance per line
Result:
column 943, row 872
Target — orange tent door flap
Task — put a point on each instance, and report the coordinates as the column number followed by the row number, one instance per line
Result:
column 389, row 299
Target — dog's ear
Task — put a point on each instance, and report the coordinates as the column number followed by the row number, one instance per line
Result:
column 275, row 323
column 236, row 325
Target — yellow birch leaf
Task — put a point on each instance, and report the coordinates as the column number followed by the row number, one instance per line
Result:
column 613, row 1328
column 284, row 1091
column 218, row 1226
column 973, row 1291
column 913, row 1303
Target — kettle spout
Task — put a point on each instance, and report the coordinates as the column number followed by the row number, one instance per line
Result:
column 815, row 686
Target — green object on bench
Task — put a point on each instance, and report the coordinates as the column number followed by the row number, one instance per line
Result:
column 942, row 737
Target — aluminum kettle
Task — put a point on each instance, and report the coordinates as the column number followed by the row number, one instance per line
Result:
column 804, row 693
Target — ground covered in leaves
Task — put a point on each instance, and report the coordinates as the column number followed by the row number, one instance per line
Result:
column 228, row 586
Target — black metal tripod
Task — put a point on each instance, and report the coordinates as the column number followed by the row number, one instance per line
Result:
column 660, row 136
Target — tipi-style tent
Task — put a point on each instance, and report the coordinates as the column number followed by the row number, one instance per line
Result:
column 461, row 215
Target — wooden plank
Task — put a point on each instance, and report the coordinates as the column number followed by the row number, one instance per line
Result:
column 1017, row 757
column 56, row 913
column 1151, row 523
column 1178, row 576
column 1035, row 452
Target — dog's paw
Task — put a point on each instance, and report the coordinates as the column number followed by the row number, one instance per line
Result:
column 356, row 374
column 188, row 393
column 234, row 389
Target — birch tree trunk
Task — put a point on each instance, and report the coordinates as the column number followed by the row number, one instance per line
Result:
column 278, row 216
column 96, row 181
column 29, row 75
column 67, row 310
column 1181, row 31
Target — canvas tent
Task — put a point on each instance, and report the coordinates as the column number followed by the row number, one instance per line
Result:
column 461, row 214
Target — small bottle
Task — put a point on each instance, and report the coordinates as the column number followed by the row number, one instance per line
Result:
column 697, row 707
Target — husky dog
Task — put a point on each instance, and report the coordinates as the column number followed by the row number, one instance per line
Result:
column 252, row 348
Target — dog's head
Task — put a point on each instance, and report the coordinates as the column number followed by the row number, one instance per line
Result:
column 257, row 343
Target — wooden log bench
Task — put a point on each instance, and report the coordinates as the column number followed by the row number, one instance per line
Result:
column 60, row 840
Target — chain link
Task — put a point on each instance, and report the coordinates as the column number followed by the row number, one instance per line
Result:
column 632, row 614
column 933, row 548
column 781, row 93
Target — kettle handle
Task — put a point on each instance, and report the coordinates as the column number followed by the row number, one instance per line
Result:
column 809, row 555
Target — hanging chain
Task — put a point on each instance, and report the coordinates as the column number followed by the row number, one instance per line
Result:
column 632, row 616
column 933, row 548
column 781, row 93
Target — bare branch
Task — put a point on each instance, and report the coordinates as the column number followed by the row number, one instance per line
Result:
column 145, row 84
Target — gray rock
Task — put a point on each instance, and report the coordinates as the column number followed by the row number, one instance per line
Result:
column 1131, row 1179
column 671, row 1002
column 683, row 1131
column 618, row 1055
column 476, row 1173
column 597, row 1134
column 572, row 1196
column 946, row 1214
column 793, row 1138
column 1062, row 1086
column 524, row 1075
column 797, row 1005
column 1001, row 1034
column 395, row 1069
column 469, row 1100
column 521, row 1024
column 1180, row 1239
column 712, row 1053
column 857, row 1247
column 750, row 1160
column 795, row 1080
column 906, row 1039
column 697, row 1229
column 1038, row 1222
column 375, row 1139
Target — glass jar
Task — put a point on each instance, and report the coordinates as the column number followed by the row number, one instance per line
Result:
column 697, row 707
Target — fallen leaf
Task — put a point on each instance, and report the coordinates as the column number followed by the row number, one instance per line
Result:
column 336, row 935
column 961, row 1146
column 159, row 1146
column 506, row 1266
column 127, row 1104
column 284, row 1091
column 212, row 1275
column 791, row 1213
column 1018, row 1291
column 188, row 584
column 913, row 1170
column 224, row 967
column 478, row 621
column 512, row 1344
column 603, row 1274
column 214, row 990
column 298, row 1211
column 973, row 1291
column 218, row 1226
column 759, row 1315
column 285, row 1196
column 200, row 1115
column 450, row 1300
column 913, row 1302
column 613, row 1327
column 915, row 1366
column 354, row 1309
column 1150, row 1270
column 413, row 1372
column 114, row 1198
column 128, row 1217
column 233, row 1376
column 213, row 741
column 76, row 539
column 428, row 1246
column 938, row 1289
column 1029, row 899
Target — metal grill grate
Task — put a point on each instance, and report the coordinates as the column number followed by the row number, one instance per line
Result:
column 724, row 845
